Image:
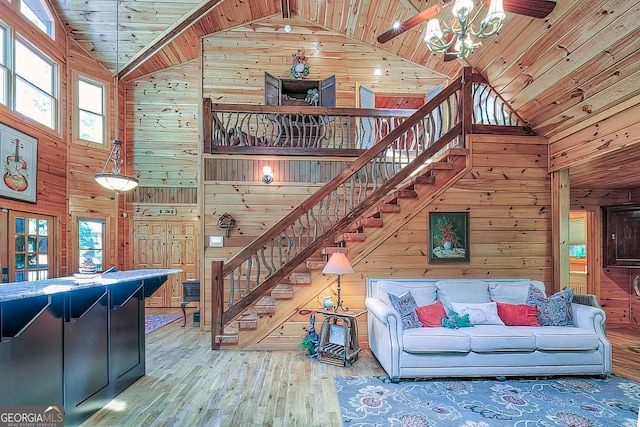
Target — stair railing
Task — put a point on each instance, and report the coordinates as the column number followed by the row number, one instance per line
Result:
column 318, row 220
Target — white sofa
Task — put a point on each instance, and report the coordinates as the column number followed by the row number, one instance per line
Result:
column 481, row 350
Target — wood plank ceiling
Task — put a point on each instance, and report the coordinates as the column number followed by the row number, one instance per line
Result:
column 580, row 62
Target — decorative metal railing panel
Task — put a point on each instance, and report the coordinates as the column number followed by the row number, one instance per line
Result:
column 393, row 150
column 490, row 109
column 335, row 129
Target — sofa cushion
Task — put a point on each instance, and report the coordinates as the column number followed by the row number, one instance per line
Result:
column 555, row 310
column 431, row 315
column 562, row 338
column 474, row 291
column 500, row 339
column 515, row 292
column 485, row 313
column 423, row 292
column 435, row 340
column 518, row 314
column 406, row 306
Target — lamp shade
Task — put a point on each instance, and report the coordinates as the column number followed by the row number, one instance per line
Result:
column 116, row 182
column 338, row 264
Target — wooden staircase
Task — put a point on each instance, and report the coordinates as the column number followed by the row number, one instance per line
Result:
column 360, row 237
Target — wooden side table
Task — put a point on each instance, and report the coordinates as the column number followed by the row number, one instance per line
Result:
column 339, row 338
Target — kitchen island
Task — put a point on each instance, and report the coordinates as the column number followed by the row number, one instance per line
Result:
column 74, row 342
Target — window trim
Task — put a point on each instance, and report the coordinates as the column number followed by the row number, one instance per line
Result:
column 106, row 90
column 46, row 10
column 55, row 83
column 100, row 220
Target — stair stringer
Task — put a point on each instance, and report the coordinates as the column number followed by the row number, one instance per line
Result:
column 305, row 295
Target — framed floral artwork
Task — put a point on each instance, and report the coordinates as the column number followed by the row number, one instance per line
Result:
column 448, row 237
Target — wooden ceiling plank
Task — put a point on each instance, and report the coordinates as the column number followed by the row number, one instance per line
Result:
column 170, row 34
column 611, row 30
column 562, row 28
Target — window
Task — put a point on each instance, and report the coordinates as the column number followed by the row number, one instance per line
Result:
column 30, row 252
column 4, row 65
column 91, row 232
column 91, row 107
column 34, row 85
column 37, row 12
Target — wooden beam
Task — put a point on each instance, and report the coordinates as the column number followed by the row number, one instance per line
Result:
column 560, row 208
column 167, row 36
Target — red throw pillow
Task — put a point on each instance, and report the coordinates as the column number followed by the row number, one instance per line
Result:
column 518, row 314
column 431, row 315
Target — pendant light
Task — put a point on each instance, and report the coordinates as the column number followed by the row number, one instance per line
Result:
column 115, row 180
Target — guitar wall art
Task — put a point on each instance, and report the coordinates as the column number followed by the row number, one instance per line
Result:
column 19, row 158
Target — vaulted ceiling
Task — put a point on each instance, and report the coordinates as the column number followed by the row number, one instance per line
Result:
column 579, row 63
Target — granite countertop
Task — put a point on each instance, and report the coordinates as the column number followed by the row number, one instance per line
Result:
column 19, row 290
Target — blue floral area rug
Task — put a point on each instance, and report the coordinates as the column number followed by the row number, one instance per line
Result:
column 157, row 321
column 566, row 401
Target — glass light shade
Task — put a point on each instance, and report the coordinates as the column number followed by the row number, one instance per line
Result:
column 496, row 7
column 338, row 264
column 433, row 29
column 462, row 8
column 116, row 182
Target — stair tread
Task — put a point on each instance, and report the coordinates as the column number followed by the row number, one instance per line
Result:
column 351, row 237
column 300, row 278
column 328, row 250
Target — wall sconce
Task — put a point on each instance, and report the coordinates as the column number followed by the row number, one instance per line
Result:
column 267, row 176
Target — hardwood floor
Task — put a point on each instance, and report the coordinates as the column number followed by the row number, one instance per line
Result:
column 187, row 384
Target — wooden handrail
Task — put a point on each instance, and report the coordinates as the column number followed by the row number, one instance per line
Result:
column 330, row 186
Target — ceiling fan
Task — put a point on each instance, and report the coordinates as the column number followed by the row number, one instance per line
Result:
column 532, row 8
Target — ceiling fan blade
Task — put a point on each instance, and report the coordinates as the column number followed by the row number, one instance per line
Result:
column 533, row 8
column 411, row 22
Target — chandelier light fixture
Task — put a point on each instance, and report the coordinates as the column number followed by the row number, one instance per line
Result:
column 459, row 37
column 115, row 180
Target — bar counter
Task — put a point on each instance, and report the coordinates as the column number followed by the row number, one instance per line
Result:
column 74, row 342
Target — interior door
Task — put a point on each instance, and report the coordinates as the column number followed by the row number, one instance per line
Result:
column 272, row 89
column 183, row 254
column 4, row 246
column 150, row 252
column 167, row 244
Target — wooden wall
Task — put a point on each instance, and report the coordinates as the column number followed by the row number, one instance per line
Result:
column 507, row 194
column 87, row 199
column 51, row 191
column 612, row 285
column 234, row 62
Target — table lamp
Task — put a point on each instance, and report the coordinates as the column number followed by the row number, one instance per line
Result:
column 338, row 264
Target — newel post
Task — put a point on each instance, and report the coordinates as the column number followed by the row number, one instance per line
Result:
column 467, row 103
column 217, row 290
column 207, row 126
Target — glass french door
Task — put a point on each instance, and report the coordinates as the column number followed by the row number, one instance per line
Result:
column 30, row 246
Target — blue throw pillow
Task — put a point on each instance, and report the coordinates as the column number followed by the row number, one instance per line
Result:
column 406, row 306
column 555, row 310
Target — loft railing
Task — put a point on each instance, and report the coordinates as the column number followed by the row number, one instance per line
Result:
column 492, row 114
column 316, row 222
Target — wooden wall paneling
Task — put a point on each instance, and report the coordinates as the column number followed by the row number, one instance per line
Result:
column 614, row 295
column 230, row 74
column 163, row 125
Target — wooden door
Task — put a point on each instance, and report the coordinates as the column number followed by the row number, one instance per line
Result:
column 272, row 89
column 328, row 92
column 167, row 244
column 183, row 254
column 150, row 252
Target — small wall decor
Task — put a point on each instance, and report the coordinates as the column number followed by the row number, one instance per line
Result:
column 299, row 70
column 19, row 156
column 225, row 222
column 448, row 236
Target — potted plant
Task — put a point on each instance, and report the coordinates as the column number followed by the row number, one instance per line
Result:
column 309, row 346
